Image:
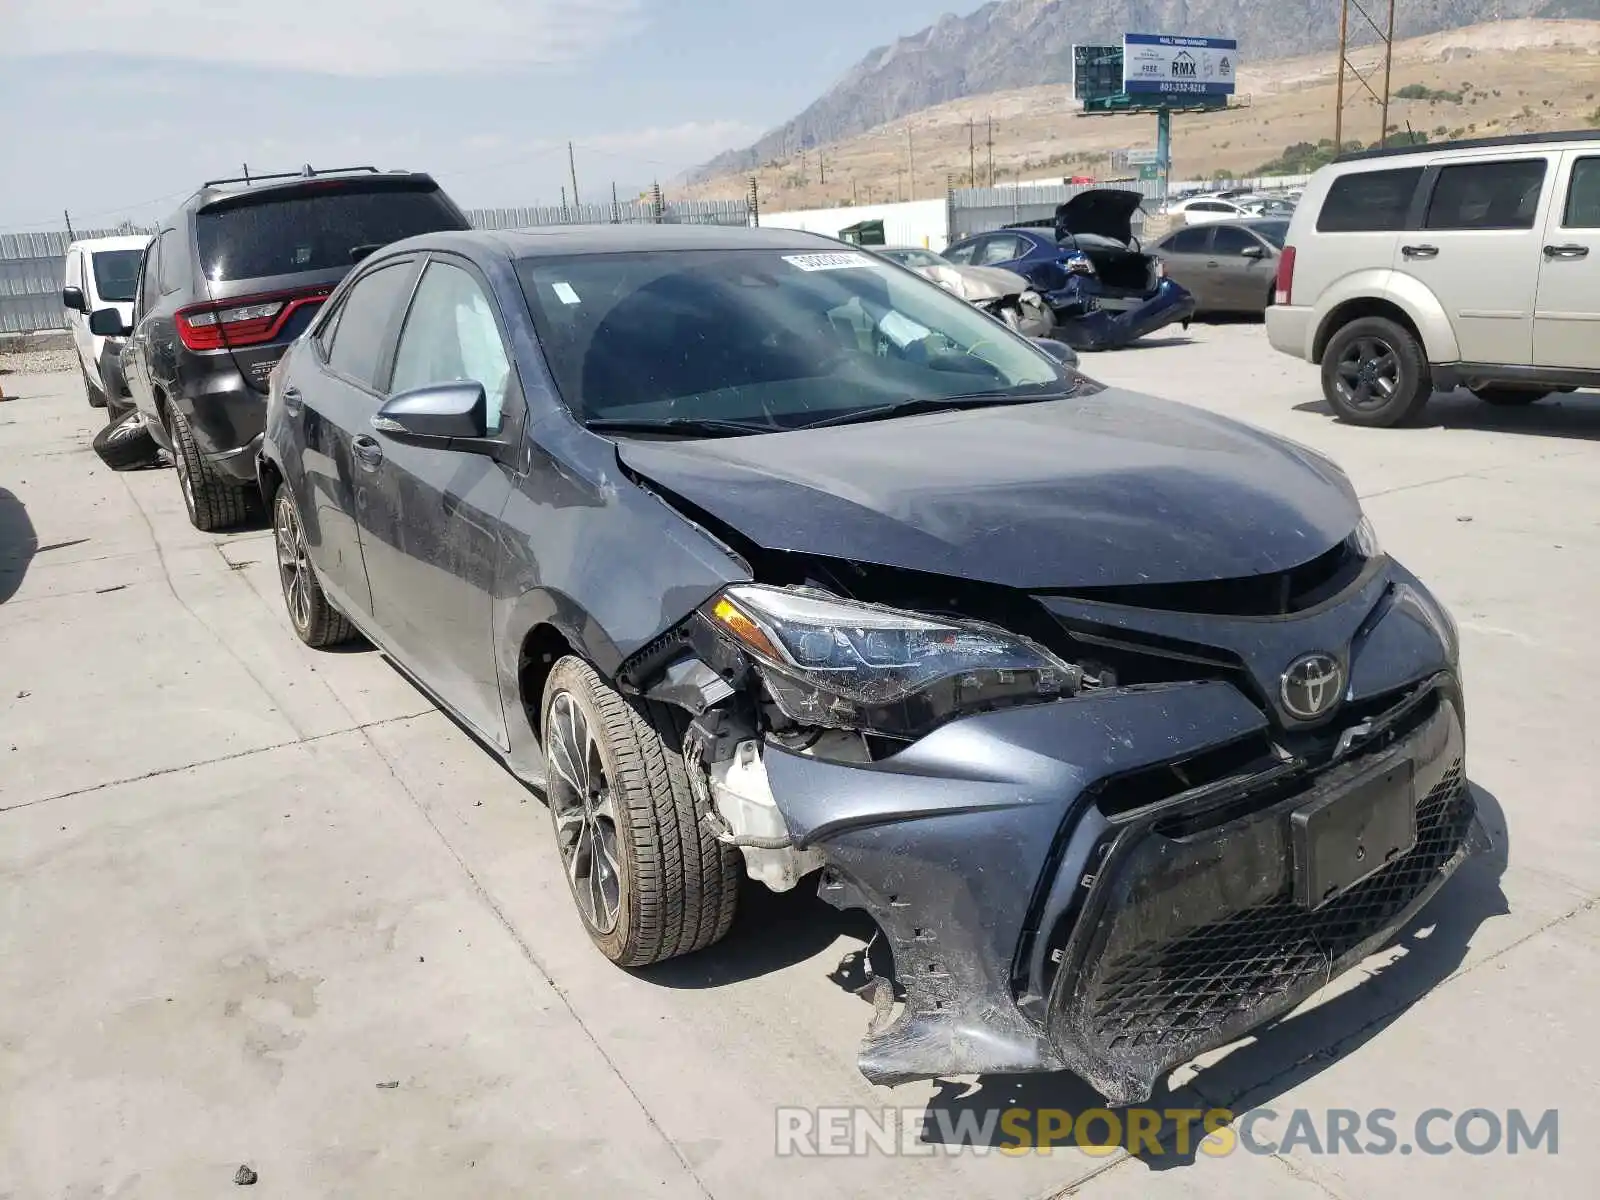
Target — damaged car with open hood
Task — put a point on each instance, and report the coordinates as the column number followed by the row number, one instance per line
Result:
column 1105, row 291
column 763, row 558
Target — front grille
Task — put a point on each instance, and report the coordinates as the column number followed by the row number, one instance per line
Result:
column 1161, row 997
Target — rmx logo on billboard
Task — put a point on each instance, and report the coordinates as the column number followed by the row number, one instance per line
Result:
column 1157, row 63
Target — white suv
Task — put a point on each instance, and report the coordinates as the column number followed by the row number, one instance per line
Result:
column 1471, row 264
column 101, row 273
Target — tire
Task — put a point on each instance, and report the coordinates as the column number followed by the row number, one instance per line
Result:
column 1374, row 373
column 316, row 622
column 97, row 398
column 1509, row 397
column 126, row 443
column 213, row 502
column 675, row 886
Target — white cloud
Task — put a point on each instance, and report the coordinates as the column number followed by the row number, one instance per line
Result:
column 334, row 37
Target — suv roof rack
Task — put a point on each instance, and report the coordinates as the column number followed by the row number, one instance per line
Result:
column 1490, row 143
column 305, row 172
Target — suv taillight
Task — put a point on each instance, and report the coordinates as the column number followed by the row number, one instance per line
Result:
column 1285, row 277
column 245, row 321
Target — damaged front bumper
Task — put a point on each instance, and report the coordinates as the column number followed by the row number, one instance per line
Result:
column 1084, row 325
column 1036, row 925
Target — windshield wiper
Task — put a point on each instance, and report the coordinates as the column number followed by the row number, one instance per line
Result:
column 687, row 426
column 927, row 404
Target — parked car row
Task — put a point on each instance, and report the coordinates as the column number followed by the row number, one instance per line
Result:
column 764, row 557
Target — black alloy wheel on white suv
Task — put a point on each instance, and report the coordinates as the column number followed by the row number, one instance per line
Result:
column 1375, row 373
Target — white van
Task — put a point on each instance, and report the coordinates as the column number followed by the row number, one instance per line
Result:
column 101, row 273
column 1469, row 264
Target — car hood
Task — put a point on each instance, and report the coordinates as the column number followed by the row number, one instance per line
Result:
column 976, row 283
column 1113, row 488
column 1105, row 211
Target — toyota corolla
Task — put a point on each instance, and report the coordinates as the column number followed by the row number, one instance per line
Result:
column 760, row 556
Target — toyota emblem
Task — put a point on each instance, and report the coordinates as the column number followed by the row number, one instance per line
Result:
column 1312, row 686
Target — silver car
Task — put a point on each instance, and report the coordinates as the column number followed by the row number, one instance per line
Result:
column 1001, row 293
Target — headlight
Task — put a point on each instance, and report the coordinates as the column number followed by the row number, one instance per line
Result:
column 1366, row 538
column 842, row 664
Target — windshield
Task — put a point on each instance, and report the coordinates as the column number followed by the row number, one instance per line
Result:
column 1274, row 231
column 776, row 338
column 316, row 232
column 116, row 274
column 914, row 257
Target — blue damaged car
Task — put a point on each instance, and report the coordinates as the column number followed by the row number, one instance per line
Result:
column 1087, row 264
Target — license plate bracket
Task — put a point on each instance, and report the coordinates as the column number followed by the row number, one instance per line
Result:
column 1346, row 836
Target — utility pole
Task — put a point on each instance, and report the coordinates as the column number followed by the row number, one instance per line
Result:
column 900, row 183
column 1388, row 64
column 822, row 168
column 565, row 215
column 911, row 162
column 71, row 237
column 972, row 155
column 991, row 149
column 1338, row 95
column 246, row 167
column 852, row 189
column 616, row 209
column 572, row 167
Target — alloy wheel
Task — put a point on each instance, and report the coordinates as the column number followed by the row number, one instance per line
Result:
column 294, row 565
column 1368, row 373
column 585, row 814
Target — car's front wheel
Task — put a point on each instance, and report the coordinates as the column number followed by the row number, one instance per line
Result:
column 1375, row 373
column 316, row 622
column 649, row 879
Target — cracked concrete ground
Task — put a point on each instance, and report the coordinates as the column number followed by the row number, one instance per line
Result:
column 263, row 905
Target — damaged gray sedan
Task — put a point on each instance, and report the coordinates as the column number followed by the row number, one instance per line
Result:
column 768, row 559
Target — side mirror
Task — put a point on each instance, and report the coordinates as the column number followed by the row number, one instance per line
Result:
column 1253, row 252
column 107, row 322
column 437, row 414
column 72, row 298
column 1060, row 351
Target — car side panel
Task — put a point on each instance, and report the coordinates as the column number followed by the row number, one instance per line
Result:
column 573, row 518
column 1406, row 292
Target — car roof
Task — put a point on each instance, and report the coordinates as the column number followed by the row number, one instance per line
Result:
column 1492, row 143
column 95, row 245
column 556, row 241
column 219, row 189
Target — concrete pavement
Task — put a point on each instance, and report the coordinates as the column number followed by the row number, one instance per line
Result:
column 265, row 905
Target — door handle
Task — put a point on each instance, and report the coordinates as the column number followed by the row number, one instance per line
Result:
column 293, row 402
column 367, row 450
column 1420, row 251
column 1567, row 251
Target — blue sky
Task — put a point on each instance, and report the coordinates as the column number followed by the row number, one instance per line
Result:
column 116, row 108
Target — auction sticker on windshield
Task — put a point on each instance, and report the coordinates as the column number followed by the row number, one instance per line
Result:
column 827, row 262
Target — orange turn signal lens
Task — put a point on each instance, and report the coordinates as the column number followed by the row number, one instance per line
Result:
column 733, row 619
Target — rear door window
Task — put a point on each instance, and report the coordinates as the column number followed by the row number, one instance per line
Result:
column 1188, row 241
column 366, row 320
column 116, row 274
column 318, row 231
column 1487, row 195
column 149, row 273
column 1583, row 196
column 999, row 250
column 1369, row 201
column 171, row 262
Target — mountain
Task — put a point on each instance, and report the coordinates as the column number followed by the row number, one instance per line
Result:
column 1022, row 43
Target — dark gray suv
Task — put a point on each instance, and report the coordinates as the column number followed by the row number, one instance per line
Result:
column 233, row 276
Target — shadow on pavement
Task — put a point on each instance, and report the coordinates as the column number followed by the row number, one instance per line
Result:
column 1278, row 1057
column 771, row 933
column 18, row 543
column 1574, row 415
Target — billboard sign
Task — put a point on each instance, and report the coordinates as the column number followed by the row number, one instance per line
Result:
column 1157, row 64
column 1096, row 72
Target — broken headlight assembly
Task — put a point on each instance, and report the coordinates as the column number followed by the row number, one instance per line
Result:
column 843, row 664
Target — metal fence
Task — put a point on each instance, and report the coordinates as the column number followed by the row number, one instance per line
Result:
column 33, row 265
